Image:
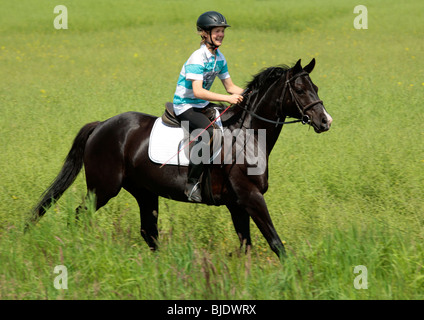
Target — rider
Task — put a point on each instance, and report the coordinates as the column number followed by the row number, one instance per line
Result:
column 192, row 93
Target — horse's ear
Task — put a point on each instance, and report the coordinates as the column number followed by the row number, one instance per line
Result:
column 297, row 67
column 310, row 66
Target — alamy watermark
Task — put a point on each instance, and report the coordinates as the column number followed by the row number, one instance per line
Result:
column 61, row 20
column 361, row 20
column 361, row 281
column 61, row 281
column 238, row 146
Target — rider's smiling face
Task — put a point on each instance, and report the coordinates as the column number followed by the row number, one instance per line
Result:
column 217, row 34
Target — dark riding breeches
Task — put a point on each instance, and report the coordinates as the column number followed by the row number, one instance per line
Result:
column 197, row 120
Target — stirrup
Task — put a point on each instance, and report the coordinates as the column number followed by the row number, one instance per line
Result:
column 195, row 195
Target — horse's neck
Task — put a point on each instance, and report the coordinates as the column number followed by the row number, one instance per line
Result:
column 240, row 119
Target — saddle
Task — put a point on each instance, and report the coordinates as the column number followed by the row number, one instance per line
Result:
column 170, row 119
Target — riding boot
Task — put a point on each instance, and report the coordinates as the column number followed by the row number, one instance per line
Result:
column 193, row 189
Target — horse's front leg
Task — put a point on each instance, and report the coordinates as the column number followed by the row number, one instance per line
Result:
column 254, row 204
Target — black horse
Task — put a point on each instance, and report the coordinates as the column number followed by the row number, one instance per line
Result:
column 115, row 155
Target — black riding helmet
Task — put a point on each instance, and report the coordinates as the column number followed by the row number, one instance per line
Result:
column 211, row 19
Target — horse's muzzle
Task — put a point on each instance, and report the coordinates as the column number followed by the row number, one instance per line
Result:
column 323, row 125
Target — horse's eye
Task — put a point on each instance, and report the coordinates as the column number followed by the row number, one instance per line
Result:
column 299, row 90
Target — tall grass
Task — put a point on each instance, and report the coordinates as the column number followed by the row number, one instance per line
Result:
column 108, row 261
column 352, row 196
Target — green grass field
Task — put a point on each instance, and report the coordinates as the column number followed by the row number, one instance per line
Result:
column 351, row 196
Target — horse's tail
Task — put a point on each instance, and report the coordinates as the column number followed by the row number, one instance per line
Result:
column 72, row 166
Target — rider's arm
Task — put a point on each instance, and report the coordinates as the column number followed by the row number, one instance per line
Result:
column 201, row 93
column 231, row 87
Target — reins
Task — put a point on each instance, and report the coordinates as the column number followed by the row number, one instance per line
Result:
column 305, row 118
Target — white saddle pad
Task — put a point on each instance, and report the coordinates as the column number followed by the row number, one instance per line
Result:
column 165, row 142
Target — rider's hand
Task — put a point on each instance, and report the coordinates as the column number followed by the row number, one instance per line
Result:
column 235, row 98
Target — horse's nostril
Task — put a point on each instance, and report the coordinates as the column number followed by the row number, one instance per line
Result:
column 325, row 125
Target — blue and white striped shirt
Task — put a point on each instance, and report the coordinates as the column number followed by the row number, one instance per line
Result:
column 202, row 65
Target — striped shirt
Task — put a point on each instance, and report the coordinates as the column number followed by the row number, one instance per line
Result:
column 202, row 65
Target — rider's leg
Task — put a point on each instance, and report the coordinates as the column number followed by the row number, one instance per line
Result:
column 197, row 120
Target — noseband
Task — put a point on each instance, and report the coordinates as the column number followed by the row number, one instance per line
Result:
column 304, row 117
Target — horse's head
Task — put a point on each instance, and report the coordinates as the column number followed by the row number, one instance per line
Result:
column 302, row 101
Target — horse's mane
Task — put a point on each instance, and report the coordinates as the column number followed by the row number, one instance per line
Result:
column 263, row 79
column 266, row 77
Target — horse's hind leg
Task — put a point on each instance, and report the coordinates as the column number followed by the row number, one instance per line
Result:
column 102, row 187
column 100, row 198
column 149, row 210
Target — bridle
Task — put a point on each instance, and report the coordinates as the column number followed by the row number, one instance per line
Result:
column 305, row 119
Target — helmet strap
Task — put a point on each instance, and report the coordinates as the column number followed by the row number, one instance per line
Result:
column 211, row 43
